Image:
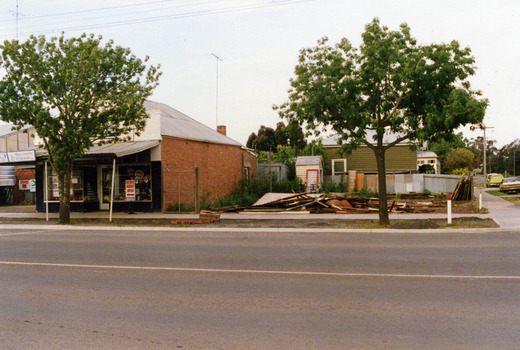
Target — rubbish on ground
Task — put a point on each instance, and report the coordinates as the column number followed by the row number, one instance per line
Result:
column 338, row 203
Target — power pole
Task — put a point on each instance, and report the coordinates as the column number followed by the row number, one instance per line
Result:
column 218, row 59
column 485, row 150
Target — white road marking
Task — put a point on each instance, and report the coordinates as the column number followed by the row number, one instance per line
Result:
column 22, row 233
column 265, row 272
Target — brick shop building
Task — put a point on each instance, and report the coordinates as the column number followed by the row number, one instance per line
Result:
column 175, row 162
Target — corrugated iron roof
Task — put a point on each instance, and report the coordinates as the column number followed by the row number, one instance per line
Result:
column 426, row 154
column 7, row 129
column 179, row 125
column 308, row 160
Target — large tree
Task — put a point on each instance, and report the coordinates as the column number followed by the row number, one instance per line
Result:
column 390, row 85
column 75, row 92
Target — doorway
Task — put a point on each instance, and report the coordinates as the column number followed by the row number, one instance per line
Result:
column 104, row 186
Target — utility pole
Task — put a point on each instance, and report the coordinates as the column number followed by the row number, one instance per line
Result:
column 485, row 150
column 218, row 59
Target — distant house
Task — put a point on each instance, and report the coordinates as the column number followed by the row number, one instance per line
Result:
column 309, row 169
column 399, row 158
column 175, row 160
column 428, row 159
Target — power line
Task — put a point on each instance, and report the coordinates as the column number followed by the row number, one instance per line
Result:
column 172, row 16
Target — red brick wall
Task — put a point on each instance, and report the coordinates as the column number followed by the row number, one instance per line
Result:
column 220, row 170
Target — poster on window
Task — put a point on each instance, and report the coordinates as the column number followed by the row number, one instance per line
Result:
column 130, row 190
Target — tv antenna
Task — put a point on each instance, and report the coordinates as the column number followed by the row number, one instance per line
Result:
column 216, row 117
column 16, row 13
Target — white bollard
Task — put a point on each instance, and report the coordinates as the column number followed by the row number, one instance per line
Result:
column 480, row 201
column 449, row 209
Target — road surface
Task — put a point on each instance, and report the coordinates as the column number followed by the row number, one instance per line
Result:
column 175, row 290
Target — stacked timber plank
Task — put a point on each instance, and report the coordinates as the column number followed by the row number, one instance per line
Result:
column 464, row 189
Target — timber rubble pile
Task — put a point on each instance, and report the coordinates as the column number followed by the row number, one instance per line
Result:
column 340, row 203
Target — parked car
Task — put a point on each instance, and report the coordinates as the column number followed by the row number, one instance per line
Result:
column 510, row 184
column 494, row 180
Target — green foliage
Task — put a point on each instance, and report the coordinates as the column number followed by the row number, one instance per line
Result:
column 269, row 139
column 460, row 171
column 332, row 187
column 249, row 192
column 460, row 158
column 440, row 195
column 365, row 193
column 74, row 92
column 180, row 207
column 442, row 146
column 389, row 85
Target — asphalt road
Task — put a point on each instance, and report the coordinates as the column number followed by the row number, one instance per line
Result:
column 174, row 290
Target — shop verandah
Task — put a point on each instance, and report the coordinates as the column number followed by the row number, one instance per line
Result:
column 116, row 177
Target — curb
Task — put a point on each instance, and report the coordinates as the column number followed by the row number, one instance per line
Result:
column 251, row 230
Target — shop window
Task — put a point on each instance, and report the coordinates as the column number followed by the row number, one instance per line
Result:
column 133, row 182
column 76, row 186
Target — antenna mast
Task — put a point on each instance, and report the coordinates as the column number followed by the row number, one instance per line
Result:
column 218, row 59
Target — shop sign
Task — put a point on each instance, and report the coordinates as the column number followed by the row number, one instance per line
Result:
column 17, row 156
column 32, row 185
column 24, row 185
column 27, row 185
column 130, row 190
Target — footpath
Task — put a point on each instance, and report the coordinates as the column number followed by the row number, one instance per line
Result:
column 505, row 214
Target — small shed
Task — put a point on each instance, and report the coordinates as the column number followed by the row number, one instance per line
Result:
column 280, row 171
column 310, row 171
column 425, row 158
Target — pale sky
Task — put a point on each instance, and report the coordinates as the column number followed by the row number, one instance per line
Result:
column 259, row 42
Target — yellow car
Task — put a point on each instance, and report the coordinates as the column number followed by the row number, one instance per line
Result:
column 494, row 180
column 510, row 184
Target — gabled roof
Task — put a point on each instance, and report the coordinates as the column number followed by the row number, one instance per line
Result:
column 7, row 129
column 179, row 125
column 308, row 160
column 426, row 154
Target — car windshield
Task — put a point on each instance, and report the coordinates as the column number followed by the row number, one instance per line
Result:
column 511, row 179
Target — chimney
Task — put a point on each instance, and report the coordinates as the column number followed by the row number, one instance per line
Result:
column 221, row 129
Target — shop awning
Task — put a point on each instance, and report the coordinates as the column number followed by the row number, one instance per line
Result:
column 121, row 149
column 112, row 150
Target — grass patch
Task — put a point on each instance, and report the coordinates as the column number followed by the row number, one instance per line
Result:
column 497, row 193
column 514, row 200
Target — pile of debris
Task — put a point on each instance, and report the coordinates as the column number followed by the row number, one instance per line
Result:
column 338, row 203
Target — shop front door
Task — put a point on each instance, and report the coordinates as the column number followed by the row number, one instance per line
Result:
column 104, row 185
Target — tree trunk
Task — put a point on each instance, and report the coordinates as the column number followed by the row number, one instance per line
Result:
column 64, row 187
column 381, row 177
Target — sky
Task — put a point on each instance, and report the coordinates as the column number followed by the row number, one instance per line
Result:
column 258, row 42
